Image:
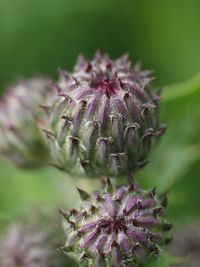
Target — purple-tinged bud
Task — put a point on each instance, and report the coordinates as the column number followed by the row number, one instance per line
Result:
column 21, row 139
column 112, row 110
column 31, row 244
column 121, row 226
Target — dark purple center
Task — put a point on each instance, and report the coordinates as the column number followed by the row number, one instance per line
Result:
column 112, row 225
column 106, row 85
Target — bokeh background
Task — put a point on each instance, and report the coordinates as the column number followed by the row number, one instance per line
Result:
column 38, row 36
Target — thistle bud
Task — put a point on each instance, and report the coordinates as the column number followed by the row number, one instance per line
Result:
column 30, row 245
column 121, row 226
column 21, row 139
column 111, row 110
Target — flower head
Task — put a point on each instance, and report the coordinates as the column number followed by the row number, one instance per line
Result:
column 29, row 245
column 105, row 119
column 21, row 139
column 119, row 227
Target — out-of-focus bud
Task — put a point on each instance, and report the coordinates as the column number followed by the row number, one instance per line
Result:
column 185, row 247
column 21, row 139
column 118, row 227
column 32, row 243
column 106, row 118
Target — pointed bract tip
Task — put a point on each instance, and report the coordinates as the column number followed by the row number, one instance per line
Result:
column 64, row 249
column 166, row 226
column 64, row 214
column 83, row 194
column 158, row 211
column 153, row 192
column 132, row 187
column 164, row 202
column 65, row 96
column 84, row 257
column 109, row 185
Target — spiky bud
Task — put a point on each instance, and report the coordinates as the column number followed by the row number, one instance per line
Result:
column 185, row 246
column 107, row 117
column 118, row 227
column 21, row 139
column 29, row 245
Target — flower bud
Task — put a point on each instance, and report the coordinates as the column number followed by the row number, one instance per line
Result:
column 111, row 110
column 121, row 226
column 30, row 245
column 21, row 139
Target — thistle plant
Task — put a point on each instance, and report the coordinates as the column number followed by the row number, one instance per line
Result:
column 120, row 226
column 21, row 138
column 100, row 120
column 105, row 118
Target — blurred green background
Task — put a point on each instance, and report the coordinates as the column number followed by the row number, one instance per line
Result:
column 38, row 36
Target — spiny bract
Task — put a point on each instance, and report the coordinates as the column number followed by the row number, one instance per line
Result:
column 105, row 118
column 21, row 139
column 119, row 227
